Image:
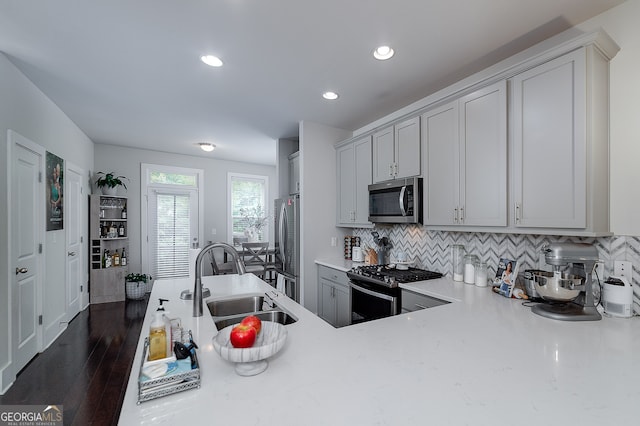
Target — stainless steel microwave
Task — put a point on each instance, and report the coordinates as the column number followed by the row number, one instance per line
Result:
column 396, row 201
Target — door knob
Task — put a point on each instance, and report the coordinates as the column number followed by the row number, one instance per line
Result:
column 21, row 271
column 71, row 253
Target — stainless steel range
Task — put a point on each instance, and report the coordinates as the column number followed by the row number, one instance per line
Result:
column 375, row 291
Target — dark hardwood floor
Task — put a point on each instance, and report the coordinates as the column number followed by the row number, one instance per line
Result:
column 87, row 368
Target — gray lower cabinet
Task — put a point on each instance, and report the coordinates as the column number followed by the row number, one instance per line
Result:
column 333, row 296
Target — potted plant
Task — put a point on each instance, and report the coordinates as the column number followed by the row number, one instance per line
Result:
column 109, row 182
column 136, row 285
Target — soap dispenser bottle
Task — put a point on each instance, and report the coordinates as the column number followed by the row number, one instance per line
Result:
column 167, row 325
column 157, row 338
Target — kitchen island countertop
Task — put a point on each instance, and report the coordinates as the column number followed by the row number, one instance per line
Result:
column 482, row 359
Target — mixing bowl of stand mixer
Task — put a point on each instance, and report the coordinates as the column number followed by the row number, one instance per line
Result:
column 570, row 282
column 558, row 286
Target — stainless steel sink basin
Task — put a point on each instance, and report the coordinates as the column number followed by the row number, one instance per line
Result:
column 235, row 306
column 278, row 316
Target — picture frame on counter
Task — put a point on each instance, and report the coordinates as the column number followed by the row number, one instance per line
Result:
column 506, row 274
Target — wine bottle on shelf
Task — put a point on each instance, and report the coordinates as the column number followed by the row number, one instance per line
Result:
column 123, row 213
column 123, row 258
column 104, row 258
column 108, row 261
column 112, row 230
column 116, row 258
column 121, row 230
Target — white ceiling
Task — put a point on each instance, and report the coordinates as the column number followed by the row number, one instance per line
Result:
column 128, row 72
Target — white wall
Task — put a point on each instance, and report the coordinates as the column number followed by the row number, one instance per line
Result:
column 622, row 25
column 317, row 203
column 126, row 162
column 26, row 110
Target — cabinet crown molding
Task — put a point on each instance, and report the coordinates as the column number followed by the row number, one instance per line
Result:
column 546, row 50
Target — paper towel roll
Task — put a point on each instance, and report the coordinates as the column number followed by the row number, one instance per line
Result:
column 193, row 254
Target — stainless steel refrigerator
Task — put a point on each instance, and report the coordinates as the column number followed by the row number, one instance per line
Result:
column 287, row 244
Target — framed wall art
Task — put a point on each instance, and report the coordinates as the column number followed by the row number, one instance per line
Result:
column 55, row 197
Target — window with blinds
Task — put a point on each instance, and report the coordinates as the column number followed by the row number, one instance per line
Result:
column 249, row 214
column 173, row 235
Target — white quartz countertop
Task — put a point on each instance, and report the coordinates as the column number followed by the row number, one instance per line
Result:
column 480, row 360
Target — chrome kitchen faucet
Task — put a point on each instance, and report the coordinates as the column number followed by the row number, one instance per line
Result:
column 197, row 290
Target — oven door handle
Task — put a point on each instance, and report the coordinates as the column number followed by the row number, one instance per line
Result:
column 371, row 292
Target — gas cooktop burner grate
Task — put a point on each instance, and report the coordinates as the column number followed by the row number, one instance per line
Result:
column 389, row 276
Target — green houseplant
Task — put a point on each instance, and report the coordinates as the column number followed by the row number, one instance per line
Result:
column 109, row 182
column 136, row 285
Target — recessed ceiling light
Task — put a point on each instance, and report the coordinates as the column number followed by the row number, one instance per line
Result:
column 383, row 53
column 211, row 60
column 205, row 146
column 330, row 95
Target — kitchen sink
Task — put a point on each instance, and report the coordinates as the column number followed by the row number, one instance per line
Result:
column 235, row 306
column 275, row 315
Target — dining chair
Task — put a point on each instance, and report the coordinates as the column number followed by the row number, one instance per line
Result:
column 255, row 256
column 221, row 267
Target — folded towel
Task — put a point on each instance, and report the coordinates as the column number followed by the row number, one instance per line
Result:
column 280, row 283
column 167, row 368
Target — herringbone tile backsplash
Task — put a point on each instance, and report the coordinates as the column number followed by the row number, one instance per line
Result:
column 431, row 249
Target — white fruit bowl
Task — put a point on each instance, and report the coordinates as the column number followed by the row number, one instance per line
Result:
column 253, row 360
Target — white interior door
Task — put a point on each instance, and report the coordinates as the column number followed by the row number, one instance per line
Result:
column 26, row 224
column 73, row 226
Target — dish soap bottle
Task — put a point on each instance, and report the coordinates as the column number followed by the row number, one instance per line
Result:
column 167, row 326
column 157, row 338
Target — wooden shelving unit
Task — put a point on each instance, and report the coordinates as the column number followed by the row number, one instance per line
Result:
column 106, row 284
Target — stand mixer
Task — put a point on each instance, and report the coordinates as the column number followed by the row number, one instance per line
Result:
column 574, row 287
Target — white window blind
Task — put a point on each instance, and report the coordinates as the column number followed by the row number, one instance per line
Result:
column 173, row 235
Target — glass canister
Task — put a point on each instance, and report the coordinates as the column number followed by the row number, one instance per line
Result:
column 481, row 274
column 470, row 261
column 457, row 260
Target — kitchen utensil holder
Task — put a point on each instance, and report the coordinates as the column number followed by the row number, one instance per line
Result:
column 170, row 383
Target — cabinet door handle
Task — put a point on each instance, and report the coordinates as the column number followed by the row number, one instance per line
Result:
column 395, row 169
column 517, row 212
column 461, row 215
column 455, row 215
column 71, row 253
column 21, row 271
column 390, row 169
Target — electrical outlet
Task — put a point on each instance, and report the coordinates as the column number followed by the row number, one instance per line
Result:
column 623, row 268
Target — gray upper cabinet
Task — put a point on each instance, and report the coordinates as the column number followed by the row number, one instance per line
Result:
column 354, row 177
column 521, row 147
column 396, row 151
column 560, row 143
column 465, row 157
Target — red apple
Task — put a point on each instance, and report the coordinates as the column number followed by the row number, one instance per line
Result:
column 253, row 321
column 243, row 336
